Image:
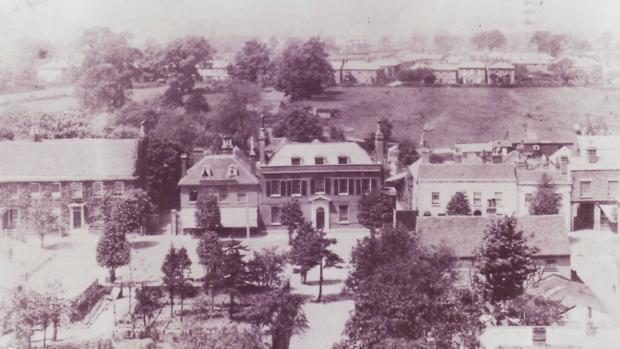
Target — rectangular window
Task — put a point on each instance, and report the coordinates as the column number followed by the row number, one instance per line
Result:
column 275, row 215
column 498, row 198
column 435, row 198
column 477, row 198
column 584, row 189
column 319, row 185
column 55, row 189
column 296, row 187
column 319, row 160
column 343, row 213
column 343, row 160
column 193, row 195
column 76, row 190
column 296, row 161
column 12, row 218
column 222, row 194
column 35, row 188
column 98, row 189
column 365, row 185
column 118, row 189
column 612, row 188
column 275, row 188
column 242, row 197
column 551, row 265
column 343, row 186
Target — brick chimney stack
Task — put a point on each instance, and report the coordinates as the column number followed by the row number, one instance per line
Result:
column 379, row 148
column 252, row 156
column 183, row 164
column 227, row 146
column 564, row 164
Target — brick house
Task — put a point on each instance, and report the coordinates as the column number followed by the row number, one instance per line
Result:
column 77, row 172
column 464, row 234
column 327, row 179
column 228, row 176
column 595, row 174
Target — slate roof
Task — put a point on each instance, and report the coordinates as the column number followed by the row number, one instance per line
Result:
column 330, row 151
column 219, row 165
column 464, row 234
column 607, row 152
column 67, row 160
column 501, row 65
column 472, row 65
column 534, row 176
column 429, row 172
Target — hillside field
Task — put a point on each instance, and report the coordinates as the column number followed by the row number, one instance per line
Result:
column 472, row 114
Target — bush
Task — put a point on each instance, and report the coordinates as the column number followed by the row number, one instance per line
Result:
column 85, row 302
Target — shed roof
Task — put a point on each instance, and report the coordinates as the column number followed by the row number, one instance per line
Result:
column 464, row 234
column 67, row 160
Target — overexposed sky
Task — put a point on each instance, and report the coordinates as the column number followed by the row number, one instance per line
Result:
column 165, row 19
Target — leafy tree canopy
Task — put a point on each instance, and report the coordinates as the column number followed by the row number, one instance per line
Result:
column 252, row 63
column 297, row 123
column 375, row 210
column 546, row 200
column 458, row 205
column 407, row 152
column 490, row 39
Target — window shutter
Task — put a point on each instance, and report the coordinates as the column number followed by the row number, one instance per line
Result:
column 358, row 186
column 303, row 188
column 268, row 188
column 283, row 188
column 312, row 186
column 289, row 188
column 351, row 186
column 336, row 192
column 328, row 183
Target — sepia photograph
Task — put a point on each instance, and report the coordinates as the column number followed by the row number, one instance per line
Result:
column 309, row 174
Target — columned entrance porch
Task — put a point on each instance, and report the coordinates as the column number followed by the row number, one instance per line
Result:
column 319, row 211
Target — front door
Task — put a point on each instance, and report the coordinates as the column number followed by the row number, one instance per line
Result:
column 77, row 217
column 320, row 218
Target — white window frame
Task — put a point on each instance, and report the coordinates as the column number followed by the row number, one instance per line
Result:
column 323, row 160
column 368, row 186
column 77, row 190
column 299, row 160
column 115, row 190
column 219, row 194
column 293, row 193
column 435, row 202
column 529, row 197
column 343, row 157
column 477, row 201
column 340, row 186
column 320, row 180
column 206, row 172
column 189, row 195
column 232, row 171
column 278, row 220
column 272, row 194
column 98, row 193
column 340, row 218
column 499, row 199
column 613, row 193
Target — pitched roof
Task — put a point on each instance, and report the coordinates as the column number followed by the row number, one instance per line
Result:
column 474, row 147
column 501, row 65
column 464, row 234
column 330, row 151
column 67, row 160
column 534, row 176
column 472, row 65
column 569, row 293
column 219, row 164
column 607, row 152
column 429, row 172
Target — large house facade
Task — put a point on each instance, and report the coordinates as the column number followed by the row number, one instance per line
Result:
column 76, row 172
column 231, row 179
column 326, row 179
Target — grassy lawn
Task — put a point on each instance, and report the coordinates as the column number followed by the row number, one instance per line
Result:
column 472, row 114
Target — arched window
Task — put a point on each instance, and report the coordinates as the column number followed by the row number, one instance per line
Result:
column 232, row 171
column 427, row 214
column 207, row 171
column 477, row 213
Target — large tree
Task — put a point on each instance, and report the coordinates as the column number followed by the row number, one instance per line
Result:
column 42, row 217
column 234, row 271
column 207, row 213
column 130, row 212
column 407, row 152
column 108, row 68
column 303, row 69
column 174, row 269
column 281, row 312
column 490, row 39
column 252, row 63
column 266, row 266
column 211, row 254
column 298, row 124
column 552, row 44
column 458, row 205
column 445, row 42
column 375, row 210
column 546, row 200
column 292, row 217
column 504, row 260
column 406, row 292
column 311, row 248
column 179, row 63
column 235, row 116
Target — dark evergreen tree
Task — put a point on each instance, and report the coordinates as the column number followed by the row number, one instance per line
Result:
column 211, row 254
column 375, row 210
column 207, row 213
column 296, row 123
column 292, row 217
column 113, row 249
column 546, row 200
column 458, row 205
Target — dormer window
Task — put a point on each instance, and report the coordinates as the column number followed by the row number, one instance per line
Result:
column 296, row 161
column 207, row 172
column 319, row 160
column 343, row 160
column 536, row 147
column 233, row 171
